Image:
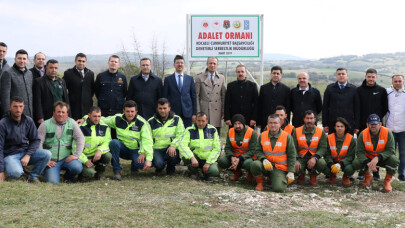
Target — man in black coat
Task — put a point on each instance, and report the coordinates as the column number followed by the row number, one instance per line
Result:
column 111, row 88
column 38, row 70
column 48, row 90
column 373, row 98
column 241, row 98
column 80, row 84
column 302, row 98
column 145, row 89
column 272, row 94
column 341, row 100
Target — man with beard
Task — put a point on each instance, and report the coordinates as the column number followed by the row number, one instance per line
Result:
column 239, row 148
column 310, row 142
column 275, row 156
column 167, row 129
column 241, row 98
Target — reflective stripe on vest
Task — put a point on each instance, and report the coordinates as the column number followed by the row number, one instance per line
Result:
column 236, row 149
column 368, row 144
column 303, row 147
column 343, row 151
column 278, row 154
column 289, row 128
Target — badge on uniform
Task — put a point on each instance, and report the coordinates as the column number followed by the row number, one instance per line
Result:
column 120, row 80
column 381, row 141
column 368, row 143
column 279, row 144
column 135, row 128
column 101, row 132
column 266, row 143
column 345, row 147
column 333, row 147
column 245, row 140
column 315, row 138
column 302, row 138
column 231, row 139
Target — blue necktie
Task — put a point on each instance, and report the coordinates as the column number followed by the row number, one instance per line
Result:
column 180, row 83
column 342, row 86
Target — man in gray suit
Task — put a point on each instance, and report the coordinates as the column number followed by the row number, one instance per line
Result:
column 17, row 81
column 3, row 62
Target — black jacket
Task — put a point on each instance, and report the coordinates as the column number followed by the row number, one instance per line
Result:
column 310, row 100
column 271, row 96
column 341, row 103
column 373, row 100
column 43, row 97
column 241, row 98
column 81, row 91
column 111, row 90
column 17, row 137
column 145, row 94
column 35, row 73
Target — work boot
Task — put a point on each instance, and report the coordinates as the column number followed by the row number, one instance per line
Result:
column 346, row 181
column 332, row 179
column 367, row 179
column 259, row 180
column 236, row 175
column 117, row 176
column 301, row 178
column 313, row 179
column 387, row 183
column 249, row 177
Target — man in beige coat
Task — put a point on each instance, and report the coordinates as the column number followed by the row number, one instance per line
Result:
column 210, row 88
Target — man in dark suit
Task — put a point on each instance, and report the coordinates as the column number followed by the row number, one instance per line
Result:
column 241, row 98
column 145, row 89
column 48, row 90
column 80, row 84
column 179, row 89
column 38, row 70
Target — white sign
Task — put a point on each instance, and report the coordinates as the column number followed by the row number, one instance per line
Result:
column 225, row 36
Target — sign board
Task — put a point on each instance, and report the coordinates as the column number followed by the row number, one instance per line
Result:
column 232, row 37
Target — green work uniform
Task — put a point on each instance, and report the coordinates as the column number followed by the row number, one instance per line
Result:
column 346, row 163
column 278, row 177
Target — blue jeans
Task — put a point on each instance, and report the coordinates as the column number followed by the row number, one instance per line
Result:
column 160, row 158
column 39, row 159
column 119, row 150
column 72, row 168
column 400, row 144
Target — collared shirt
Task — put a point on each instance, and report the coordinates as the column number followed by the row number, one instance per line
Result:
column 344, row 85
column 81, row 72
column 177, row 78
column 57, row 90
column 304, row 90
column 41, row 71
column 145, row 77
column 211, row 76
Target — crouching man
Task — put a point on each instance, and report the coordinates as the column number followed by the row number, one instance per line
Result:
column 18, row 144
column 96, row 154
column 200, row 147
column 276, row 157
column 376, row 148
column 239, row 148
column 57, row 135
column 167, row 129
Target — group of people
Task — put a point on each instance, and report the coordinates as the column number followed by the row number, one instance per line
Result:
column 157, row 124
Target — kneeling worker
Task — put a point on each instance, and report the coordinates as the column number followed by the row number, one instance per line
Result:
column 167, row 129
column 239, row 148
column 275, row 155
column 200, row 147
column 96, row 154
column 376, row 148
column 57, row 135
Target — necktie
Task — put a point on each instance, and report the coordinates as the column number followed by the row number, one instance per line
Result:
column 342, row 86
column 180, row 83
column 212, row 79
column 82, row 73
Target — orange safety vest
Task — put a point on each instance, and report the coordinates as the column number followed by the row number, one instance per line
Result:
column 343, row 151
column 278, row 154
column 238, row 150
column 303, row 147
column 289, row 128
column 368, row 144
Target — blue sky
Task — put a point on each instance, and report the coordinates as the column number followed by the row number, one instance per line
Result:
column 311, row 29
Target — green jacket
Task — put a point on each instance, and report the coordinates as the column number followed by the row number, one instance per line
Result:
column 291, row 152
column 351, row 152
column 203, row 143
column 238, row 138
column 97, row 137
column 60, row 148
column 136, row 135
column 388, row 152
column 167, row 133
column 322, row 145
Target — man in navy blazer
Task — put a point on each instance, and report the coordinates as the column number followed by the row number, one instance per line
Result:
column 179, row 89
